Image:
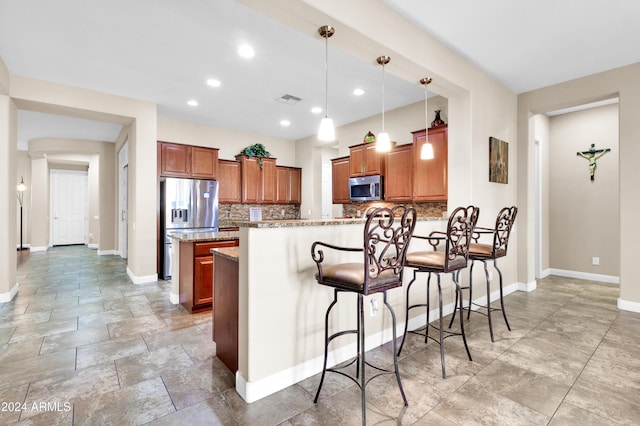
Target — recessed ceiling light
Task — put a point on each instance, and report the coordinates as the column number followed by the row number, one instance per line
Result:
column 213, row 82
column 246, row 51
column 285, row 123
column 192, row 102
column 358, row 92
column 316, row 110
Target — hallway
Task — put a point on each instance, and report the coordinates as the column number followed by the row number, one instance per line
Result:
column 82, row 345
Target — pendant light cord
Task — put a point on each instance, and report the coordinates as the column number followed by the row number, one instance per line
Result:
column 383, row 97
column 326, row 76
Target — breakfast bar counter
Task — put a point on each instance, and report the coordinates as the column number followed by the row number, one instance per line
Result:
column 281, row 307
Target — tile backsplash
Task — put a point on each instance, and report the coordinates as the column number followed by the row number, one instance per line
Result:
column 228, row 213
column 431, row 209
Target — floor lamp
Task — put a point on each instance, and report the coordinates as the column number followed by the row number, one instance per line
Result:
column 21, row 188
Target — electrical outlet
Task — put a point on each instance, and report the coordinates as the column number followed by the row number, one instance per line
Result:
column 374, row 307
column 595, row 260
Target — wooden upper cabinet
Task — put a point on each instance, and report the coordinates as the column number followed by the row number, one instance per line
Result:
column 229, row 181
column 258, row 183
column 187, row 161
column 340, row 171
column 288, row 185
column 430, row 176
column 295, row 185
column 204, row 163
column 366, row 161
column 268, row 180
column 398, row 182
column 174, row 160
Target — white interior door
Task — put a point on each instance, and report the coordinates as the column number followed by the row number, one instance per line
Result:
column 68, row 207
column 123, row 200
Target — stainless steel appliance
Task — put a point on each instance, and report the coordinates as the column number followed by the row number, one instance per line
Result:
column 186, row 205
column 366, row 188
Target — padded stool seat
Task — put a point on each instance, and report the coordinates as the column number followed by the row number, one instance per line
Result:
column 387, row 233
column 451, row 260
column 484, row 252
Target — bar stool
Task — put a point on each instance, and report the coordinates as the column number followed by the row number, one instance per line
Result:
column 387, row 232
column 483, row 253
column 450, row 260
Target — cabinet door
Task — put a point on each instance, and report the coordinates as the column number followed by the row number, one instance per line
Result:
column 373, row 160
column 398, row 182
column 268, row 180
column 204, row 162
column 357, row 163
column 282, row 184
column 430, row 176
column 251, row 180
column 203, row 279
column 229, row 178
column 340, row 170
column 295, row 186
column 174, row 159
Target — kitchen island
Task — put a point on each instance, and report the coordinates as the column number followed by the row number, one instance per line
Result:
column 192, row 270
column 281, row 307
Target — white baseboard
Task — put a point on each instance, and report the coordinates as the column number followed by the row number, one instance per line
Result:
column 253, row 391
column 528, row 287
column 35, row 249
column 8, row 296
column 106, row 252
column 142, row 279
column 174, row 298
column 627, row 305
column 93, row 247
column 23, row 246
column 585, row 275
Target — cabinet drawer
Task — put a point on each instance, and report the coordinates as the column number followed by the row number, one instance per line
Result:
column 202, row 249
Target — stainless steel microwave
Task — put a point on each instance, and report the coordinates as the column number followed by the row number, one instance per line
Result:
column 366, row 188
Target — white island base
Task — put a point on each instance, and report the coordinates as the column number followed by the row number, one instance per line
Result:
column 282, row 308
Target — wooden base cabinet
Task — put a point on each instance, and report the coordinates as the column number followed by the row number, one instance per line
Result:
column 197, row 272
column 225, row 311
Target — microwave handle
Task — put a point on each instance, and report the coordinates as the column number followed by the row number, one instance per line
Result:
column 372, row 189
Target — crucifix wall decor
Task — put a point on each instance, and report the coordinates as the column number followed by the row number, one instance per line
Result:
column 592, row 154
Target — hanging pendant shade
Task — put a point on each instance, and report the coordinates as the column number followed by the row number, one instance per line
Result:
column 383, row 142
column 327, row 131
column 426, row 153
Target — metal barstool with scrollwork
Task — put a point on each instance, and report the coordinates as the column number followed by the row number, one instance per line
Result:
column 484, row 252
column 450, row 259
column 387, row 233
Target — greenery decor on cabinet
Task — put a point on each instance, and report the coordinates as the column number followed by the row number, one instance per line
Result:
column 257, row 150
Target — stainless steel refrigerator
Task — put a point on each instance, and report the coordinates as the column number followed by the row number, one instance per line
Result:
column 186, row 205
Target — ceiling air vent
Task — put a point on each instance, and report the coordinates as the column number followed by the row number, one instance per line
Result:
column 289, row 99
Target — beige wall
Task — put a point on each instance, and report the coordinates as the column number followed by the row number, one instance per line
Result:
column 139, row 119
column 98, row 159
column 8, row 141
column 229, row 142
column 541, row 131
column 623, row 82
column 584, row 214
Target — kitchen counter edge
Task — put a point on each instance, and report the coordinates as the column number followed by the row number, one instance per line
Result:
column 290, row 223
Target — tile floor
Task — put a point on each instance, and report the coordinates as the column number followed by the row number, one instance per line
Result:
column 82, row 345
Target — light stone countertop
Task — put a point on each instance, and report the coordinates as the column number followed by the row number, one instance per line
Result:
column 230, row 253
column 289, row 223
column 197, row 237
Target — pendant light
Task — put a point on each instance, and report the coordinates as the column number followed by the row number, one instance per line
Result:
column 383, row 143
column 327, row 131
column 426, row 153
